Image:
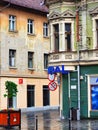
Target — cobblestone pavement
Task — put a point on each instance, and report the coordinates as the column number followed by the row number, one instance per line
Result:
column 49, row 120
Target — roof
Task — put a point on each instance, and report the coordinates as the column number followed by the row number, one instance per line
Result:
column 31, row 4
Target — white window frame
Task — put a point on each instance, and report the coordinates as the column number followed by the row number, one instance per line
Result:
column 45, row 61
column 12, row 23
column 94, row 32
column 12, row 58
column 30, row 26
column 62, row 34
column 30, row 59
column 45, row 29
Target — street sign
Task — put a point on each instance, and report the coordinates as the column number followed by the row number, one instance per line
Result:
column 52, row 86
column 51, row 77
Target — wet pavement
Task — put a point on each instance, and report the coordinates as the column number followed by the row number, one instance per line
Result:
column 49, row 120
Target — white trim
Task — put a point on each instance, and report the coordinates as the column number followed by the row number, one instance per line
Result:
column 89, row 96
column 62, row 34
column 94, row 32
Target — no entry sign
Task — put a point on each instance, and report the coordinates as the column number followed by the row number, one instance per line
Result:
column 52, row 86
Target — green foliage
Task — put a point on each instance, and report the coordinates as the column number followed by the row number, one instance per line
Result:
column 11, row 89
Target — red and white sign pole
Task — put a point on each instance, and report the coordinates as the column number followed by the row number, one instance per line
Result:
column 51, row 77
column 52, row 85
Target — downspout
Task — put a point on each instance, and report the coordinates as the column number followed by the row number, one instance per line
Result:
column 69, row 98
column 77, row 25
column 78, row 66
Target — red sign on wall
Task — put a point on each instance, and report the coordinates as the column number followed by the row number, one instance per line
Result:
column 21, row 81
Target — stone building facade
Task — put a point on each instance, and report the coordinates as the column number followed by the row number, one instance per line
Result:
column 24, row 49
column 74, row 55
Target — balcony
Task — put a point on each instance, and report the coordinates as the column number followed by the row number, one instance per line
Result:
column 73, row 58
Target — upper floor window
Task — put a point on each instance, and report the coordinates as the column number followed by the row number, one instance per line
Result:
column 68, row 36
column 12, row 23
column 30, row 26
column 30, row 59
column 45, row 61
column 45, row 30
column 12, row 58
column 97, row 32
column 56, row 37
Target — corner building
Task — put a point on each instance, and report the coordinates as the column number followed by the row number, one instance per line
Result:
column 74, row 45
column 24, row 49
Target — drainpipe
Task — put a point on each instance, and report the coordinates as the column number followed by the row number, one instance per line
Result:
column 69, row 98
column 77, row 25
column 78, row 66
column 78, row 112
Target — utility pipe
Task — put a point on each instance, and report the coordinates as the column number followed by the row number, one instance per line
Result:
column 78, row 66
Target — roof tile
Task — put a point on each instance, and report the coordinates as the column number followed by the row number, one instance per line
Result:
column 32, row 4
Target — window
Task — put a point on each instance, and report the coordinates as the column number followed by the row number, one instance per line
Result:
column 68, row 36
column 12, row 102
column 46, row 96
column 30, row 26
column 56, row 37
column 97, row 32
column 30, row 59
column 45, row 61
column 45, row 29
column 12, row 23
column 30, row 95
column 12, row 58
column 94, row 97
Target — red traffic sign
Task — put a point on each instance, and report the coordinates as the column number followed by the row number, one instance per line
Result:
column 52, row 86
column 51, row 77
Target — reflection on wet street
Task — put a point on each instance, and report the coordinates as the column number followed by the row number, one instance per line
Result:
column 49, row 120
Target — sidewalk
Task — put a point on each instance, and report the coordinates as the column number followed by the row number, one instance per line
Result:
column 49, row 120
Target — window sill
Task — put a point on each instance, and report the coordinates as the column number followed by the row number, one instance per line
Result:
column 31, row 69
column 13, row 31
column 31, row 34
column 46, row 37
column 12, row 67
column 45, row 69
